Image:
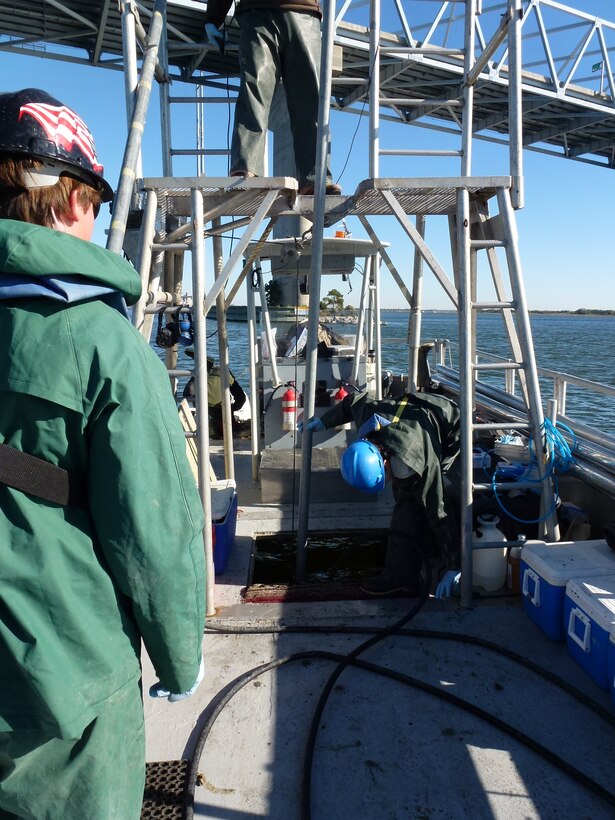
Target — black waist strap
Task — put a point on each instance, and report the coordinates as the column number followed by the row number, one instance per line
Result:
column 40, row 478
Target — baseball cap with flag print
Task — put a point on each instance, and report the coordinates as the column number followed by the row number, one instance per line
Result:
column 35, row 124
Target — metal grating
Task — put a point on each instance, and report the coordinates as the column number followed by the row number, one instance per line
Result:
column 164, row 789
column 228, row 196
column 430, row 196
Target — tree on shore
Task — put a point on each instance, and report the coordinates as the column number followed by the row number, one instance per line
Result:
column 332, row 302
column 273, row 293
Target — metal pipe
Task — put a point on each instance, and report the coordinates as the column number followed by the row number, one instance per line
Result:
column 360, row 322
column 163, row 96
column 144, row 258
column 468, row 90
column 492, row 46
column 552, row 416
column 271, row 346
column 254, row 397
column 420, row 152
column 200, row 388
column 123, row 197
column 466, row 402
column 515, row 103
column 225, row 381
column 378, row 332
column 374, row 89
column 414, row 321
column 131, row 74
column 315, row 276
column 369, row 310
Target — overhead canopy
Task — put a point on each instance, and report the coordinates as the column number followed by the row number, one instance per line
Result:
column 568, row 87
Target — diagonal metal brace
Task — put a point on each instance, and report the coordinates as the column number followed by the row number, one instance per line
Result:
column 421, row 245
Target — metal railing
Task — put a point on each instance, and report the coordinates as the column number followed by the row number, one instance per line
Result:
column 591, row 431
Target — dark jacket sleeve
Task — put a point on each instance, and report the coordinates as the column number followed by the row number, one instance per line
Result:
column 238, row 397
column 217, row 11
column 349, row 409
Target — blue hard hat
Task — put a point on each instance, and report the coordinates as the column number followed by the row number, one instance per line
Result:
column 362, row 466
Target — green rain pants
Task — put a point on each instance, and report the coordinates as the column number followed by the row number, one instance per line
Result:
column 276, row 45
column 98, row 776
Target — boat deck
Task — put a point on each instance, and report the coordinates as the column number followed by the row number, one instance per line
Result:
column 385, row 748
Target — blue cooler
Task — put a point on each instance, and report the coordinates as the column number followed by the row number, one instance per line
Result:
column 589, row 611
column 224, row 521
column 547, row 568
column 610, row 663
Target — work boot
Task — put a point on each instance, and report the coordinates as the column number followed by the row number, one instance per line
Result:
column 239, row 173
column 385, row 584
column 331, row 189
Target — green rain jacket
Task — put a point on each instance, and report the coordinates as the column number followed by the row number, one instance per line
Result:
column 425, row 436
column 80, row 588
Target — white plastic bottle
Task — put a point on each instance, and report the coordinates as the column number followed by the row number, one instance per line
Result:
column 489, row 565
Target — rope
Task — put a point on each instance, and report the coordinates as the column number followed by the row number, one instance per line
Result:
column 559, row 457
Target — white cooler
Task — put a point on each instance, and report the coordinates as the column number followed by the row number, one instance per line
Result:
column 547, row 568
column 589, row 610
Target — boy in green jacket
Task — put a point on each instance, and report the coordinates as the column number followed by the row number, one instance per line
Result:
column 108, row 552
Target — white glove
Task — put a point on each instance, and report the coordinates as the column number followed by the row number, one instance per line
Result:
column 214, row 37
column 158, row 690
column 449, row 579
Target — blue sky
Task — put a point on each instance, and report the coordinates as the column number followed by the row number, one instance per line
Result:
column 566, row 227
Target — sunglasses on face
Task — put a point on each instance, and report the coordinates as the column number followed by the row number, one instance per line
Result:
column 96, row 208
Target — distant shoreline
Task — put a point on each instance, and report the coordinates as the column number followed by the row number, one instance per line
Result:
column 578, row 312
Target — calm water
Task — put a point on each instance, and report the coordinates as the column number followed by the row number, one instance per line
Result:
column 578, row 345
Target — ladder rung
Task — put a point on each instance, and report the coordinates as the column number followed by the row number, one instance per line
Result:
column 194, row 100
column 199, row 152
column 493, row 305
column 157, row 300
column 408, row 101
column 499, row 366
column 172, row 246
column 417, row 152
column 428, row 50
column 179, row 374
column 488, row 243
column 501, row 425
column 349, row 81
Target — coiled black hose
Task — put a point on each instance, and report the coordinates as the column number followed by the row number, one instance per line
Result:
column 222, row 699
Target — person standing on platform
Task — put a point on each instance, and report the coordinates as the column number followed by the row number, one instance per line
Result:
column 278, row 40
column 100, row 519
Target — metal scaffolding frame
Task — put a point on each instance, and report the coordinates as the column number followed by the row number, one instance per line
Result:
column 476, row 85
column 567, row 78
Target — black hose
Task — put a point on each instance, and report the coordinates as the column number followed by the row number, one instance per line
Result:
column 345, row 660
column 306, row 782
column 527, row 663
column 380, row 633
